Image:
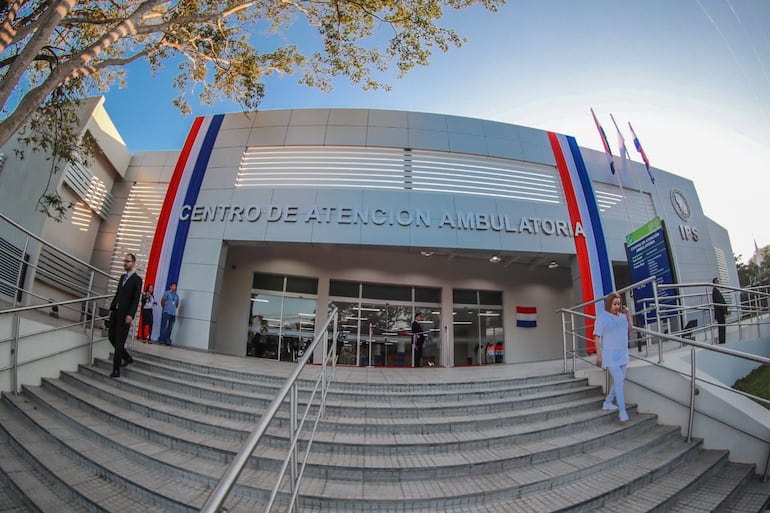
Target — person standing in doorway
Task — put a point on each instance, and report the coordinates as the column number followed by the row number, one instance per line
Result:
column 611, row 331
column 169, row 303
column 122, row 311
column 418, row 338
column 720, row 310
column 148, row 302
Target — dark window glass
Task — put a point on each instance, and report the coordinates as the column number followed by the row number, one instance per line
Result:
column 392, row 292
column 267, row 282
column 425, row 295
column 302, row 285
column 490, row 297
column 343, row 288
column 464, row 297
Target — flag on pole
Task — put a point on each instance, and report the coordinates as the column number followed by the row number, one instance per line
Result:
column 639, row 148
column 758, row 254
column 622, row 149
column 605, row 142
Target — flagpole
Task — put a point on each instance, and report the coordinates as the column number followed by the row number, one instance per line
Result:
column 623, row 168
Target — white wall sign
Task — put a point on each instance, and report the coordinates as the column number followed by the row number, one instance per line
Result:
column 379, row 216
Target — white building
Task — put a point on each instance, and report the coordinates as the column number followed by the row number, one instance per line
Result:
column 266, row 218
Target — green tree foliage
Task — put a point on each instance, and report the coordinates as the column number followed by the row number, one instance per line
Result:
column 220, row 48
column 750, row 273
column 53, row 52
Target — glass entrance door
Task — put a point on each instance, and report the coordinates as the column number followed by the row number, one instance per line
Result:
column 380, row 335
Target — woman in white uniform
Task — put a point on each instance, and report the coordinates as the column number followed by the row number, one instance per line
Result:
column 611, row 331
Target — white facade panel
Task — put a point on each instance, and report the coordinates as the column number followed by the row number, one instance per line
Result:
column 358, row 194
column 387, row 136
column 267, row 136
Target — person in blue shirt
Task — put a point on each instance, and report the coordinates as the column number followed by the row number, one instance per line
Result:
column 169, row 304
column 611, row 331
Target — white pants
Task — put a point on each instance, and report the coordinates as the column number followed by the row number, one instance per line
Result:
column 618, row 373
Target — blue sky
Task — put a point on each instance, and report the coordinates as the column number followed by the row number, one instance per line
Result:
column 692, row 76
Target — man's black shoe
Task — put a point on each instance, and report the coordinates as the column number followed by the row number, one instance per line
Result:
column 115, row 374
column 126, row 362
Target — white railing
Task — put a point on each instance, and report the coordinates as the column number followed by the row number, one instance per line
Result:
column 291, row 465
column 663, row 325
column 32, row 316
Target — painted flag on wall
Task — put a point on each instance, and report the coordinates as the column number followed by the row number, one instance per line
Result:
column 165, row 262
column 596, row 278
column 605, row 142
column 526, row 317
column 639, row 148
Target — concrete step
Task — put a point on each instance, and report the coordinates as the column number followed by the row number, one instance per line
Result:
column 20, row 485
column 506, row 490
column 715, row 490
column 353, row 459
column 158, row 439
column 754, row 497
column 357, row 407
column 617, row 489
column 234, row 420
column 102, row 474
column 120, row 454
column 59, row 482
column 274, row 373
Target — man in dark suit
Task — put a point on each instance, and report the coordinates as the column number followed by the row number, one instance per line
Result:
column 720, row 310
column 122, row 311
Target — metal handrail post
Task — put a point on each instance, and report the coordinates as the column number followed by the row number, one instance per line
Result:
column 91, row 336
column 574, row 344
column 15, row 354
column 19, row 287
column 692, row 395
column 564, row 339
column 88, row 294
column 295, row 443
column 324, row 366
column 657, row 319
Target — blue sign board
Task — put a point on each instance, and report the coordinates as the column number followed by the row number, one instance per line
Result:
column 648, row 255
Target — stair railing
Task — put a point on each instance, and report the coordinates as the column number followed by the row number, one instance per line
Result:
column 16, row 265
column 291, row 465
column 17, row 337
column 753, row 309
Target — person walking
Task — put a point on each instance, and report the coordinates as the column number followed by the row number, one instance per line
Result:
column 148, row 302
column 169, row 303
column 720, row 311
column 418, row 338
column 122, row 310
column 611, row 331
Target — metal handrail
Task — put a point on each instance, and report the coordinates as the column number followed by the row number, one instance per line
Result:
column 16, row 336
column 661, row 336
column 19, row 309
column 225, row 484
column 52, row 246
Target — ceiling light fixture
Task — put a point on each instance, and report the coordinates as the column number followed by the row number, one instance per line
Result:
column 494, row 259
column 426, row 253
column 553, row 264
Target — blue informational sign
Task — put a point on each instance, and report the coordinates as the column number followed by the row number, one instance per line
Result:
column 648, row 255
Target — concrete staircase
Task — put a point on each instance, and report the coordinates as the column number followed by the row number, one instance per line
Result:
column 158, row 438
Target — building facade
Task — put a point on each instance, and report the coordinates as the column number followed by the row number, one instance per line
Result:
column 265, row 220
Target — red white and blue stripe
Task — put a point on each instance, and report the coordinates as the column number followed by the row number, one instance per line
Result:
column 591, row 248
column 168, row 245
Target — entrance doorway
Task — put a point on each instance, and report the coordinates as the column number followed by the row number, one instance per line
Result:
column 376, row 324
